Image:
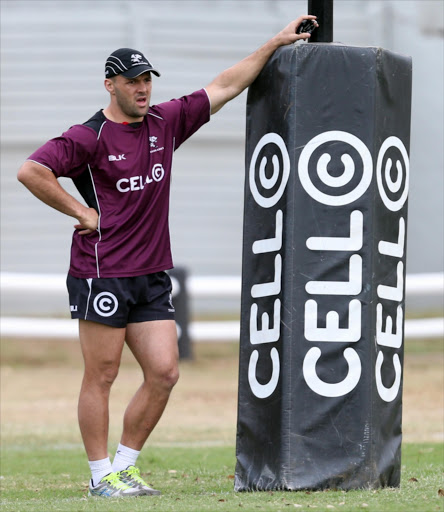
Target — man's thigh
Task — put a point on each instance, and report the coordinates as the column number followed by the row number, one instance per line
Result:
column 154, row 344
column 101, row 344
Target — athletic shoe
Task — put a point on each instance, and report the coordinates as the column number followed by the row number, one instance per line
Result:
column 131, row 476
column 112, row 487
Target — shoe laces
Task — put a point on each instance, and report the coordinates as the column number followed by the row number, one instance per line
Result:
column 114, row 481
column 134, row 473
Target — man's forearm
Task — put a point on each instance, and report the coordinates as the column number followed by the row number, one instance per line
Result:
column 240, row 76
column 44, row 185
column 234, row 80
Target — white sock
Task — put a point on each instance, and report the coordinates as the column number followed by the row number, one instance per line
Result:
column 99, row 469
column 124, row 457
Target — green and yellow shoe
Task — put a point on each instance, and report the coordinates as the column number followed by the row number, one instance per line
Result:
column 111, row 486
column 131, row 476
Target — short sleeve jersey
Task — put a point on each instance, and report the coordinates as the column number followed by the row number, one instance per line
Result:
column 124, row 172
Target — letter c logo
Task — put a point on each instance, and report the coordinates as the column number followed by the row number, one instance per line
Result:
column 120, row 187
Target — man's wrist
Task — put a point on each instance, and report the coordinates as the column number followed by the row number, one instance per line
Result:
column 276, row 42
column 81, row 213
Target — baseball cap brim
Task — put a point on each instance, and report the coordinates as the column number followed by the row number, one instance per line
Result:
column 139, row 70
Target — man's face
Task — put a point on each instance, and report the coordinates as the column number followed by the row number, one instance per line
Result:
column 133, row 95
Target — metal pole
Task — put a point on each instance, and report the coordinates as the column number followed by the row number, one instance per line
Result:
column 323, row 9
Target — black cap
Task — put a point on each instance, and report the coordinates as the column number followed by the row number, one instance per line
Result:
column 129, row 63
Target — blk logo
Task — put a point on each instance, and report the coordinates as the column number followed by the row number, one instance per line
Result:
column 114, row 158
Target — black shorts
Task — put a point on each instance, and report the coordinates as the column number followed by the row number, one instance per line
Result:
column 118, row 301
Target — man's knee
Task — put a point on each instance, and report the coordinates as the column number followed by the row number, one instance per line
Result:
column 167, row 377
column 173, row 377
column 103, row 374
column 109, row 373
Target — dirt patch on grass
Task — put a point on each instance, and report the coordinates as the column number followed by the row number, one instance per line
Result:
column 40, row 383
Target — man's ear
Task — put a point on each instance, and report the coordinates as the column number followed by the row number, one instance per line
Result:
column 109, row 85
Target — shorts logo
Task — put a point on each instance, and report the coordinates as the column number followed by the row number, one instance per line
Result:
column 105, row 304
column 170, row 300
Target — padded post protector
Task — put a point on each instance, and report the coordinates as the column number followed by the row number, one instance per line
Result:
column 322, row 308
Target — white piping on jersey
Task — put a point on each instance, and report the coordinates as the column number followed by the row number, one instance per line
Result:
column 172, row 156
column 98, row 206
column 98, row 221
column 89, row 281
column 45, row 166
column 209, row 101
column 154, row 115
column 100, row 131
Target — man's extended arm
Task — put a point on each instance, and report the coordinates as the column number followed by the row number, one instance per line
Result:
column 44, row 185
column 231, row 82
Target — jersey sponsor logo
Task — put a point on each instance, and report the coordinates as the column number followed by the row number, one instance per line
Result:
column 105, row 304
column 114, row 158
column 139, row 182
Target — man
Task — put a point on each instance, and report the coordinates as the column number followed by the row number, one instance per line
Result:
column 120, row 161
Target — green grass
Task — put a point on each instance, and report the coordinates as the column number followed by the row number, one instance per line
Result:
column 40, row 476
column 45, row 479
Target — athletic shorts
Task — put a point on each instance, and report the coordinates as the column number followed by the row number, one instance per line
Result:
column 118, row 301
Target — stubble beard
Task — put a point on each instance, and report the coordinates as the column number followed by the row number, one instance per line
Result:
column 129, row 109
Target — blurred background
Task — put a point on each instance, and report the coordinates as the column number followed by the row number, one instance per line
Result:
column 52, row 65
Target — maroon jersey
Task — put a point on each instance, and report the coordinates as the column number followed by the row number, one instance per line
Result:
column 124, row 171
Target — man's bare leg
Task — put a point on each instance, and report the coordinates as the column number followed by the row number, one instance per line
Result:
column 102, row 349
column 154, row 345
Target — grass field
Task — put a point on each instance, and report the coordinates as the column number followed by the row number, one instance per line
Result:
column 199, row 479
column 191, row 455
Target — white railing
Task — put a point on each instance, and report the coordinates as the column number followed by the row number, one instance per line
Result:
column 417, row 285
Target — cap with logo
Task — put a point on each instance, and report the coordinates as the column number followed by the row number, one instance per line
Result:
column 129, row 63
